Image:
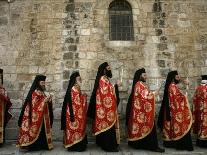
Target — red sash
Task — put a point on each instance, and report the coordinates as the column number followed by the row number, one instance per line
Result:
column 75, row 131
column 4, row 104
column 106, row 108
column 141, row 121
column 30, row 129
column 181, row 116
column 200, row 112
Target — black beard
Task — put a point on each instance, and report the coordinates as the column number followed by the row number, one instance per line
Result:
column 142, row 79
column 109, row 73
column 176, row 81
column 41, row 88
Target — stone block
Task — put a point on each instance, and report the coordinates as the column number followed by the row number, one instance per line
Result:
column 15, row 94
column 85, row 32
column 65, row 85
column 91, row 55
column 184, row 23
column 69, row 64
column 70, row 7
column 82, row 55
column 66, row 74
column 141, row 37
column 161, row 63
column 42, row 70
column 162, row 46
column 33, row 69
column 24, row 77
column 72, row 48
column 3, row 21
column 68, row 55
column 147, row 7
column 11, row 133
column 198, row 46
column 69, row 40
column 57, row 113
column 164, row 72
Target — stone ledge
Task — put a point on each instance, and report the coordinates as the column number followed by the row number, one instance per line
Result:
column 10, row 149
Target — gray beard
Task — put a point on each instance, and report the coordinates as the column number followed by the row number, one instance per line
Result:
column 204, row 82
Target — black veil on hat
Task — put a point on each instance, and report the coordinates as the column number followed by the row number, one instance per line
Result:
column 165, row 101
column 204, row 77
column 1, row 75
column 92, row 103
column 68, row 100
column 137, row 77
column 28, row 99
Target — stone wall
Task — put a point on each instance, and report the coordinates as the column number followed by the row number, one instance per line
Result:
column 56, row 37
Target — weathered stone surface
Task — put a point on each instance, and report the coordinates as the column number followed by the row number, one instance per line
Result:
column 57, row 37
column 3, row 21
column 68, row 55
column 161, row 63
column 66, row 74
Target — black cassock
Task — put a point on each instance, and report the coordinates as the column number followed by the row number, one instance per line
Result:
column 184, row 143
column 201, row 143
column 150, row 142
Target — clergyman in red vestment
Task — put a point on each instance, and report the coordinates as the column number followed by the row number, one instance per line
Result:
column 175, row 117
column 200, row 113
column 103, row 110
column 73, row 116
column 140, row 115
column 36, row 118
column 5, row 105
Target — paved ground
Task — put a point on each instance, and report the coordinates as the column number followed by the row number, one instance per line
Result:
column 10, row 149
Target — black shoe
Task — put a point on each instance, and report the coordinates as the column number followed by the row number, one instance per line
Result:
column 114, row 150
column 185, row 149
column 190, row 149
column 111, row 150
column 159, row 150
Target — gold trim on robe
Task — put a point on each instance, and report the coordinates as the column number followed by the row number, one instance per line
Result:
column 30, row 129
column 106, row 108
column 200, row 112
column 4, row 104
column 141, row 121
column 75, row 131
column 180, row 113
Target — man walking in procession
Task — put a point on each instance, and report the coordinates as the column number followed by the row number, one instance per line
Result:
column 36, row 118
column 5, row 105
column 175, row 117
column 140, row 115
column 200, row 113
column 74, row 114
column 103, row 110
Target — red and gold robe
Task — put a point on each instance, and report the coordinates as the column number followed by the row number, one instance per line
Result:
column 142, row 114
column 30, row 129
column 106, row 108
column 5, row 115
column 200, row 112
column 180, row 114
column 75, row 131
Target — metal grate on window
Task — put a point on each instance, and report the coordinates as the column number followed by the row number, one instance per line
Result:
column 120, row 21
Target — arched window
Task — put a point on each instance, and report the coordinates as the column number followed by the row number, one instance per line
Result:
column 120, row 21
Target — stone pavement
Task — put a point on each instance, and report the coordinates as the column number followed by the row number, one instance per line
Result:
column 10, row 149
